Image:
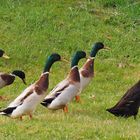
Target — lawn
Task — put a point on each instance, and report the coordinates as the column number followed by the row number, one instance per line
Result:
column 30, row 30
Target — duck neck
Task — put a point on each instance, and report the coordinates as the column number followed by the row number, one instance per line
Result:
column 75, row 61
column 48, row 66
column 94, row 52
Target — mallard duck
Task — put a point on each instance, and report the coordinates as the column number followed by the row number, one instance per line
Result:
column 27, row 101
column 128, row 104
column 87, row 71
column 66, row 90
column 2, row 54
column 7, row 79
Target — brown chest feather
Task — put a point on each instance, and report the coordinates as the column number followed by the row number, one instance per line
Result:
column 42, row 84
column 9, row 79
column 88, row 68
column 74, row 75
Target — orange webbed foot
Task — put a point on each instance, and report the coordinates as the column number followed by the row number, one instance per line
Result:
column 77, row 98
column 65, row 109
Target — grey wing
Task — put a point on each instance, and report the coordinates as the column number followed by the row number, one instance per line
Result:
column 20, row 99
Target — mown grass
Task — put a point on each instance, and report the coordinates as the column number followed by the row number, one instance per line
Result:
column 30, row 30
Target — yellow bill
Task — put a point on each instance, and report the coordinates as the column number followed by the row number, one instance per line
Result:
column 107, row 48
column 64, row 60
column 5, row 56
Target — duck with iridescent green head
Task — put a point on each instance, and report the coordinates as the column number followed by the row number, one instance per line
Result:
column 26, row 102
column 87, row 71
column 67, row 89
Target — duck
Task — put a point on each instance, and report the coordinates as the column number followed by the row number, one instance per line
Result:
column 65, row 91
column 3, row 54
column 26, row 102
column 129, row 104
column 87, row 70
column 7, row 79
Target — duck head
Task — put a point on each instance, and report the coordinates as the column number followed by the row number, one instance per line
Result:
column 77, row 56
column 50, row 60
column 20, row 74
column 96, row 47
column 2, row 54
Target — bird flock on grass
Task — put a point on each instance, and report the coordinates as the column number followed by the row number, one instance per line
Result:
column 66, row 90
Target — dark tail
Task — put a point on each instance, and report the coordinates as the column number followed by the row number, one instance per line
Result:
column 7, row 111
column 113, row 111
column 46, row 102
column 109, row 110
column 118, row 112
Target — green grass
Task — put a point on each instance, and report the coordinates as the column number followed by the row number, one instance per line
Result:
column 30, row 30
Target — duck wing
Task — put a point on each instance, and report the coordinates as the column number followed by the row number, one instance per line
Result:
column 18, row 101
column 55, row 92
